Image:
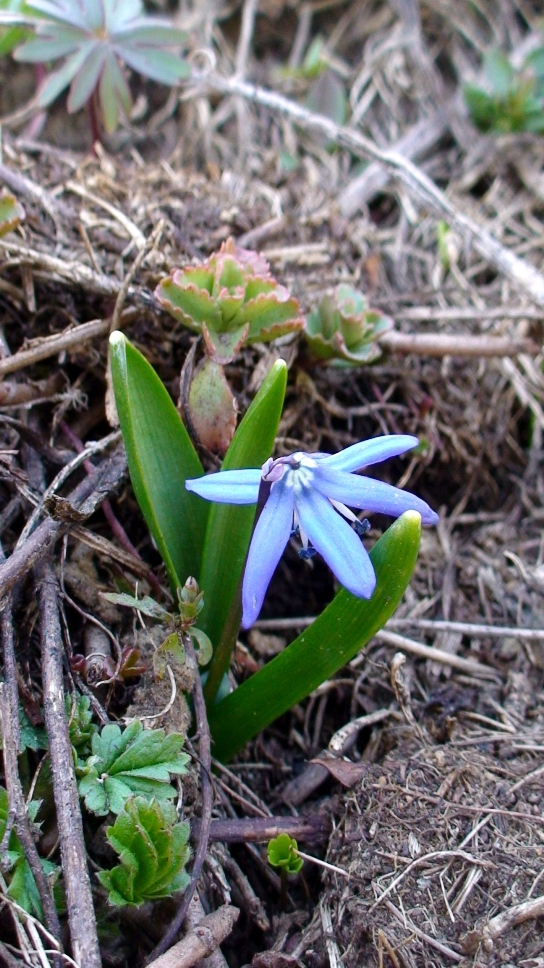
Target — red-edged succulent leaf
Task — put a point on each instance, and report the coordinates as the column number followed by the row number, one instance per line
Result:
column 186, row 302
column 271, row 315
column 231, row 299
column 223, row 346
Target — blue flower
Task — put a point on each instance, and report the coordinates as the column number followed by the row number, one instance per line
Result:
column 313, row 494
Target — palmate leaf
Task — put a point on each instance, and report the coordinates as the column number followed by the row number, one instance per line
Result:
column 135, row 760
column 153, row 852
column 332, row 640
column 95, row 38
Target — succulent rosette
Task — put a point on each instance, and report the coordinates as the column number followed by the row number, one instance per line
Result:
column 343, row 329
column 231, row 299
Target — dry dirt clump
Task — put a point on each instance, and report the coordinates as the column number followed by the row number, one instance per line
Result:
column 444, row 847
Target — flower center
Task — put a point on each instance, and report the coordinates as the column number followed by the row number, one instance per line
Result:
column 296, row 469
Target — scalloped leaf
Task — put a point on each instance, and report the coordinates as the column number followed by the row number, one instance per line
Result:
column 153, row 851
column 135, row 760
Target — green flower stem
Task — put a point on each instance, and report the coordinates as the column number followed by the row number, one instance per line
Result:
column 223, row 650
column 319, row 652
column 230, row 527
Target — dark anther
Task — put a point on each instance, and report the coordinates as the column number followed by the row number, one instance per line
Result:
column 306, row 553
column 362, row 527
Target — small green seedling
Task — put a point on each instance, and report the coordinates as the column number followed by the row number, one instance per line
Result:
column 343, row 330
column 282, row 852
column 153, row 852
column 190, row 604
column 512, row 100
column 11, row 213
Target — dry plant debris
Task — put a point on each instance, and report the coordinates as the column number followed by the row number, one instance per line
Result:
column 437, row 796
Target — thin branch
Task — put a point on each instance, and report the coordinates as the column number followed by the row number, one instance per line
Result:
column 52, row 345
column 200, row 942
column 205, row 757
column 524, row 275
column 503, row 922
column 313, row 829
column 79, row 898
column 82, row 501
column 448, row 344
column 9, row 715
column 470, row 666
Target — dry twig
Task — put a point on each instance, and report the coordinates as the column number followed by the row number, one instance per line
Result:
column 201, row 941
column 503, row 922
column 83, row 501
column 523, row 275
column 81, row 916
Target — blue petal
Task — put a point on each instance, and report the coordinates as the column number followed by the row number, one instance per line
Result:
column 336, row 542
column 228, row 487
column 271, row 534
column 369, row 452
column 365, row 493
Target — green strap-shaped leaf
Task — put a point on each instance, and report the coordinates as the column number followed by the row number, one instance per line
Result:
column 160, row 458
column 230, row 527
column 328, row 644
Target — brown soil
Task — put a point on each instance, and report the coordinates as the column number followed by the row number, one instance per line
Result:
column 437, row 814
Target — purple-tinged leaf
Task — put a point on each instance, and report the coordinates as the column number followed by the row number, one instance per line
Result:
column 159, row 65
column 86, row 78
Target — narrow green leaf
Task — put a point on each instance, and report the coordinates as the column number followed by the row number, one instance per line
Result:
column 160, row 458
column 328, row 644
column 230, row 526
column 499, row 72
column 148, row 606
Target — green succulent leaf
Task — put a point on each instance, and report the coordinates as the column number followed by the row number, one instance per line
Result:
column 153, row 851
column 344, row 330
column 281, row 852
column 204, row 648
column 160, row 458
column 514, row 99
column 231, row 299
column 332, row 640
column 499, row 72
column 135, row 760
